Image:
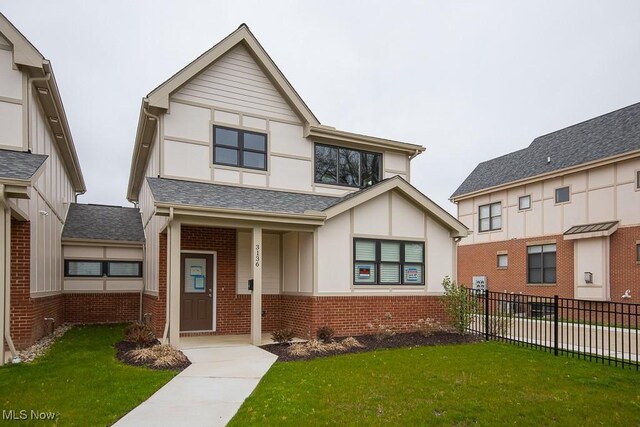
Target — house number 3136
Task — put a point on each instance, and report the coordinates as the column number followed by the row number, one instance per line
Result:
column 257, row 255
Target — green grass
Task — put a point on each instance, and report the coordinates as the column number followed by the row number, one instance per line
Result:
column 483, row 384
column 80, row 379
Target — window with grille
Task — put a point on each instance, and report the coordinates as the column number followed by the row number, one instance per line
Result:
column 388, row 262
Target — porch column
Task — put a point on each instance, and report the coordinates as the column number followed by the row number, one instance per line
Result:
column 4, row 284
column 173, row 291
column 256, row 295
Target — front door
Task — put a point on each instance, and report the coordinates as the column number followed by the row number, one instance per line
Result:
column 196, row 295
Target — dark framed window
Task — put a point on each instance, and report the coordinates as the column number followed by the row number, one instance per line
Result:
column 503, row 261
column 490, row 217
column 124, row 268
column 93, row 268
column 345, row 166
column 242, row 148
column 637, row 180
column 388, row 262
column 541, row 264
column 638, row 253
column 562, row 195
column 524, row 202
column 83, row 268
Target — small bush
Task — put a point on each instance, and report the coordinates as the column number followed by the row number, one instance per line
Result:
column 351, row 342
column 161, row 356
column 382, row 329
column 298, row 350
column 459, row 305
column 140, row 334
column 428, row 326
column 325, row 334
column 282, row 336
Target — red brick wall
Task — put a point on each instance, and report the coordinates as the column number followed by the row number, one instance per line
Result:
column 481, row 260
column 156, row 306
column 21, row 313
column 101, row 307
column 296, row 314
column 625, row 271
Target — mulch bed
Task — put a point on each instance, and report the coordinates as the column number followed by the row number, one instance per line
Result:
column 123, row 348
column 370, row 343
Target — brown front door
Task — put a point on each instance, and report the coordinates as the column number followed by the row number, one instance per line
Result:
column 196, row 295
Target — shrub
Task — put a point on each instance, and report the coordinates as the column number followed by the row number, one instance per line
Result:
column 282, row 336
column 381, row 330
column 325, row 333
column 458, row 304
column 161, row 356
column 140, row 334
column 351, row 342
column 298, row 349
column 428, row 326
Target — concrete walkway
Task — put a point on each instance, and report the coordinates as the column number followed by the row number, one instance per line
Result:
column 207, row 393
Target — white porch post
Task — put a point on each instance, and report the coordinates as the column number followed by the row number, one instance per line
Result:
column 3, row 276
column 256, row 295
column 173, row 290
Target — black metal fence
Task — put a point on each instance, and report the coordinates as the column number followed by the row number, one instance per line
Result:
column 601, row 331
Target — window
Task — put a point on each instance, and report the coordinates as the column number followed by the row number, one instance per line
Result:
column 638, row 180
column 73, row 268
column 490, row 217
column 562, row 194
column 638, row 253
column 503, row 260
column 524, row 202
column 233, row 147
column 124, row 269
column 541, row 264
column 83, row 268
column 344, row 166
column 388, row 262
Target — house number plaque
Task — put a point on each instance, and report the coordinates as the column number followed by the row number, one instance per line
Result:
column 257, row 255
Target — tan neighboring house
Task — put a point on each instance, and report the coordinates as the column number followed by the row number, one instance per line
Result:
column 560, row 217
column 240, row 185
column 40, row 178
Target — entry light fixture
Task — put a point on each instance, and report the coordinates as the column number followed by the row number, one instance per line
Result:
column 588, row 277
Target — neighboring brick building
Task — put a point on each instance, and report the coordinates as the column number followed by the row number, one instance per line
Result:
column 561, row 216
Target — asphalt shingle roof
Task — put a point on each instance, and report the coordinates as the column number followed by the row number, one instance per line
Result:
column 608, row 135
column 231, row 197
column 19, row 165
column 100, row 222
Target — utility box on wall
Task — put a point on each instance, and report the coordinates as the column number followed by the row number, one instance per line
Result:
column 479, row 283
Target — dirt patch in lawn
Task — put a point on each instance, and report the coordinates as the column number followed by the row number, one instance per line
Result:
column 126, row 353
column 371, row 342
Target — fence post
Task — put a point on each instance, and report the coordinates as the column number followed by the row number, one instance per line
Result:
column 555, row 325
column 486, row 314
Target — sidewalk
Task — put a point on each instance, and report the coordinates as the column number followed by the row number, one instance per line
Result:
column 207, row 393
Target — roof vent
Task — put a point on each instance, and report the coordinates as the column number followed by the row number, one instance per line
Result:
column 548, row 159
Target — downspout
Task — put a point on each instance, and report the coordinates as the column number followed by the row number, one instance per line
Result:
column 144, row 278
column 30, row 81
column 168, row 312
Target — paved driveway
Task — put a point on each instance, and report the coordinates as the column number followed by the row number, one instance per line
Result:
column 207, row 393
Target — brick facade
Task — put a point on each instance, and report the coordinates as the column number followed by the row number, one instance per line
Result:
column 27, row 313
column 481, row 260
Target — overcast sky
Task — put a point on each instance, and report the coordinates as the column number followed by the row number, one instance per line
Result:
column 469, row 80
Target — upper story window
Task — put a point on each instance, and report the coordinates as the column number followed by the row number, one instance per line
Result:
column 235, row 147
column 638, row 180
column 562, row 194
column 345, row 166
column 490, row 217
column 524, row 203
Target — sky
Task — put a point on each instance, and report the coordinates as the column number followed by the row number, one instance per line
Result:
column 469, row 80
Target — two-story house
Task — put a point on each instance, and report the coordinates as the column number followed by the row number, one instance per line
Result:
column 39, row 177
column 561, row 216
column 240, row 186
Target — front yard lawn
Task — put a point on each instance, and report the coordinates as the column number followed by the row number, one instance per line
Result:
column 470, row 384
column 80, row 379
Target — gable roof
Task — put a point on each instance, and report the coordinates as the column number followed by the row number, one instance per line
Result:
column 104, row 223
column 602, row 137
column 19, row 165
column 31, row 61
column 189, row 194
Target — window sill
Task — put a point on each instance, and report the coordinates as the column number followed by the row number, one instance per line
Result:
column 489, row 231
column 542, row 285
column 502, row 268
